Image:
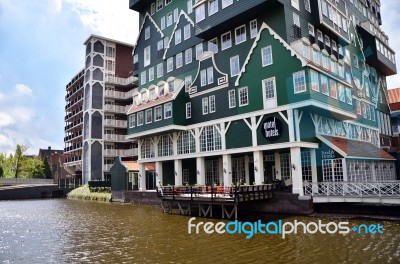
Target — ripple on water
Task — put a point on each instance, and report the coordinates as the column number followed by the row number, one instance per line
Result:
column 65, row 231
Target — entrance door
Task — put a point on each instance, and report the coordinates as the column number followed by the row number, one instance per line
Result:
column 269, row 93
column 269, row 171
column 150, row 181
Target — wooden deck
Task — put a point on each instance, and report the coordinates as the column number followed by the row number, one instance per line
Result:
column 186, row 200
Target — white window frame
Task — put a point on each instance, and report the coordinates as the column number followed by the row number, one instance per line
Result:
column 186, row 32
column 149, row 115
column 307, row 5
column 140, row 118
column 158, row 113
column 151, row 74
column 143, row 78
column 147, row 56
column 199, row 50
column 212, row 7
column 160, row 70
column 232, row 63
column 295, row 4
column 253, row 28
column 204, row 105
column 188, row 82
column 244, row 96
column 147, row 33
column 159, row 5
column 266, row 56
column 167, row 109
column 213, row 45
column 178, row 36
column 232, row 98
column 210, row 75
column 314, row 80
column 190, row 6
column 242, row 36
column 179, row 60
column 132, row 120
column 188, row 107
column 170, row 64
column 211, row 104
column 227, row 44
column 200, row 13
column 226, row 3
column 188, row 56
column 296, row 76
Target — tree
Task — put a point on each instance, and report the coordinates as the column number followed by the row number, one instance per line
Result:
column 47, row 170
column 32, row 168
column 1, row 172
column 19, row 158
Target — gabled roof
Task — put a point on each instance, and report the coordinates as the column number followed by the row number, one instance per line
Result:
column 354, row 149
column 176, row 26
column 147, row 15
column 277, row 37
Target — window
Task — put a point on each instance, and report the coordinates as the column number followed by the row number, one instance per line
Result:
column 204, row 103
column 160, row 45
column 132, row 120
column 188, row 82
column 311, row 31
column 188, row 56
column 232, row 98
column 170, row 64
column 160, row 70
column 153, row 8
column 178, row 36
column 151, row 74
column 355, row 60
column 189, row 6
column 161, row 90
column 144, row 96
column 212, row 106
column 143, row 78
column 171, row 86
column 149, row 116
column 147, row 56
column 152, row 93
column 253, row 28
column 179, row 60
column 314, row 80
column 169, row 19
column 226, row 3
column 188, row 110
column 200, row 13
column 327, row 41
column 333, row 91
column 296, row 20
column 186, row 32
column 185, row 176
column 266, row 55
column 167, row 2
column 240, row 34
column 210, row 139
column 299, row 82
column 269, row 88
column 307, row 5
column 186, row 143
column 158, row 113
column 243, row 96
column 316, row 56
column 212, row 7
column 140, row 118
column 167, row 110
column 163, row 23
column 147, row 33
column 199, row 50
column 324, row 8
column 349, row 98
column 110, row 52
column 210, row 75
column 226, row 41
column 213, row 45
column 235, row 67
column 324, row 85
column 295, row 4
column 159, row 5
column 342, row 93
column 358, row 103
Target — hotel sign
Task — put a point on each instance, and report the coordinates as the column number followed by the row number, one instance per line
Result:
column 272, row 129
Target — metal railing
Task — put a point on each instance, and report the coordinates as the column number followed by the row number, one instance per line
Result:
column 387, row 188
column 13, row 181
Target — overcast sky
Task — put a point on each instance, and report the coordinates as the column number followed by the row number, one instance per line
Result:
column 41, row 49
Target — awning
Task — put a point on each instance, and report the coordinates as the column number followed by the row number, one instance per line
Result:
column 134, row 166
column 353, row 149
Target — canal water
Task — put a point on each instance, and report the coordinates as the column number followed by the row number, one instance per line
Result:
column 69, row 231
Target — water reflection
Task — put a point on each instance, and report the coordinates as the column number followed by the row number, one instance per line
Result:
column 65, row 231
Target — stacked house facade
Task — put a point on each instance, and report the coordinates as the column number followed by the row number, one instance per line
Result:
column 97, row 100
column 263, row 90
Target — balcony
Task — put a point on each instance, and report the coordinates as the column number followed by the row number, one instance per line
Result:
column 377, row 52
column 238, row 13
column 119, row 95
column 120, row 81
column 116, row 123
column 115, row 137
column 116, row 108
column 121, row 152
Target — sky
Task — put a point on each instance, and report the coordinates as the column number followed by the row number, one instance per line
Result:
column 41, row 50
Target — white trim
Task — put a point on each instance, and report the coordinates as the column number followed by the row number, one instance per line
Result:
column 255, row 43
column 141, row 28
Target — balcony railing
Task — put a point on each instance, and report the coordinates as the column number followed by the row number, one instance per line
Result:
column 121, row 152
column 119, row 80
column 116, row 123
column 360, row 189
column 115, row 137
column 116, row 108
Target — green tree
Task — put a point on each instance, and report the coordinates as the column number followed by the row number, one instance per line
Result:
column 32, row 168
column 19, row 159
column 47, row 170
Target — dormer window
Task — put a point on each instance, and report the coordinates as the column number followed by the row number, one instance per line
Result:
column 144, row 96
column 161, row 89
column 136, row 99
column 171, row 86
column 152, row 93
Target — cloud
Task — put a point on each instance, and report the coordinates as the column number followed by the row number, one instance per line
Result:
column 2, row 96
column 114, row 21
column 6, row 119
column 23, row 89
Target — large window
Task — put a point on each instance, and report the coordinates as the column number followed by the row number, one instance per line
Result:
column 147, row 148
column 332, row 170
column 226, row 41
column 240, row 34
column 158, row 113
column 238, row 169
column 235, row 67
column 212, row 175
column 167, row 110
column 210, row 138
column 165, row 147
column 186, row 142
column 232, row 98
column 299, row 82
column 333, row 90
column 314, row 80
column 132, row 122
column 200, row 13
column 266, row 54
column 147, row 56
column 149, row 116
column 188, row 56
column 306, row 165
column 286, row 172
column 212, row 7
column 243, row 96
column 324, row 85
column 178, row 36
column 213, row 45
